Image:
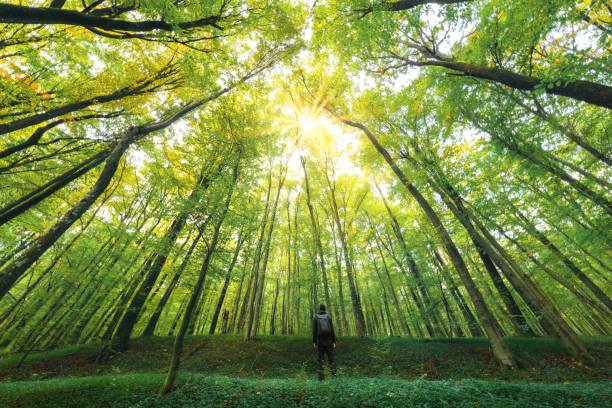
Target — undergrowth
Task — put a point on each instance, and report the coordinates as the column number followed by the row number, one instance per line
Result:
column 200, row 390
column 541, row 359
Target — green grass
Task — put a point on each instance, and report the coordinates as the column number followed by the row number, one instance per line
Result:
column 541, row 359
column 200, row 390
column 13, row 359
column 279, row 371
column 101, row 391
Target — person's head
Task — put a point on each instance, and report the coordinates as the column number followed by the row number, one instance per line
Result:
column 321, row 307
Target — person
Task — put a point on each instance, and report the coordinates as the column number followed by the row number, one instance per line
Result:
column 324, row 340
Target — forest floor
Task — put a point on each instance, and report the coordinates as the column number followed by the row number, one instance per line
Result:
column 280, row 371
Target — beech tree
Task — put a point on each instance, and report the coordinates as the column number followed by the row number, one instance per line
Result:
column 424, row 168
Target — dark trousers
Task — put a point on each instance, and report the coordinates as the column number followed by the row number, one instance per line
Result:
column 321, row 351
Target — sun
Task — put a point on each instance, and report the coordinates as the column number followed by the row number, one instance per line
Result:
column 309, row 124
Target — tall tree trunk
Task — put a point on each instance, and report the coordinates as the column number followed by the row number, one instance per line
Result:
column 316, row 234
column 256, row 265
column 228, row 275
column 384, row 295
column 245, row 305
column 264, row 266
column 500, row 349
column 272, row 322
column 344, row 324
column 287, row 288
column 355, row 301
column 178, row 342
column 412, row 267
column 18, row 266
column 398, row 309
column 150, row 328
column 450, row 197
column 121, row 338
column 533, row 231
column 296, row 270
column 470, row 319
column 552, row 320
column 232, row 324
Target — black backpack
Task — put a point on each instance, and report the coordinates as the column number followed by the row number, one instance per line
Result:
column 323, row 325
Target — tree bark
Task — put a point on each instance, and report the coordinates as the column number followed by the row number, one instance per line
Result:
column 12, row 14
column 195, row 295
column 228, row 275
column 138, row 88
column 585, row 91
column 150, row 328
column 316, row 234
column 15, row 269
column 272, row 323
column 261, row 284
column 500, row 349
column 355, row 301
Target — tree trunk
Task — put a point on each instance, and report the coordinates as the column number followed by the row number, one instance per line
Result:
column 232, row 324
column 250, row 305
column 316, row 234
column 355, row 301
column 533, row 231
column 586, row 91
column 195, row 295
column 272, row 326
column 344, row 324
column 150, row 328
column 15, row 269
column 500, row 349
column 225, row 319
column 261, row 284
column 412, row 266
column 447, row 194
column 551, row 319
column 213, row 323
column 398, row 309
column 121, row 338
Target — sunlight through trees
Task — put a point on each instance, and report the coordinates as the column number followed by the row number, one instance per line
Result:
column 427, row 169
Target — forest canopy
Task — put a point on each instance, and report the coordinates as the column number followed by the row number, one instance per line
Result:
column 425, row 168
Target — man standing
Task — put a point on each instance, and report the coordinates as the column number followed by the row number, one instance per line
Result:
column 324, row 339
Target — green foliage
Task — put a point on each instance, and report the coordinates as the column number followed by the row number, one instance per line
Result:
column 14, row 359
column 541, row 359
column 498, row 146
column 104, row 391
column 204, row 390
